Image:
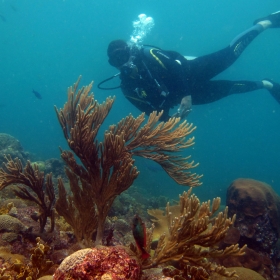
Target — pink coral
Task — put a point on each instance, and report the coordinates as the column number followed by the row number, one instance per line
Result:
column 102, row 262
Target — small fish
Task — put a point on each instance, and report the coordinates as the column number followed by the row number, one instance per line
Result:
column 37, row 94
column 139, row 234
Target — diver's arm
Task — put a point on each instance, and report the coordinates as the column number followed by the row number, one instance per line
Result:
column 145, row 106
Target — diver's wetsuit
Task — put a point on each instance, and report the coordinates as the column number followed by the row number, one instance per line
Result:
column 162, row 78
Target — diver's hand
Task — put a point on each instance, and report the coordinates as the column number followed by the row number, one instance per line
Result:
column 181, row 114
column 185, row 107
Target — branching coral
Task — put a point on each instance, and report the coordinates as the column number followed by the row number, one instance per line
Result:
column 108, row 167
column 193, row 237
column 39, row 189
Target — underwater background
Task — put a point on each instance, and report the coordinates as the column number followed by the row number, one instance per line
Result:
column 46, row 44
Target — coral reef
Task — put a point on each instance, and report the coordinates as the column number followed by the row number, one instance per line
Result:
column 190, row 241
column 102, row 263
column 139, row 198
column 41, row 165
column 11, row 146
column 190, row 245
column 107, row 167
column 56, row 167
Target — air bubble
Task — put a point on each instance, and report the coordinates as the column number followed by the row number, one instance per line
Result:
column 141, row 28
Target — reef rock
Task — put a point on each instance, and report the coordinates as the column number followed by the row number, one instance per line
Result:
column 101, row 262
column 257, row 209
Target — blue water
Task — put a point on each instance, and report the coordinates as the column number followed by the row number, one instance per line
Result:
column 45, row 45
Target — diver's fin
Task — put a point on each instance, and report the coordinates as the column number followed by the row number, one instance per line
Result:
column 275, row 90
column 274, row 18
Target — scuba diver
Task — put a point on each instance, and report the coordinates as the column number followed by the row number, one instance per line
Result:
column 155, row 79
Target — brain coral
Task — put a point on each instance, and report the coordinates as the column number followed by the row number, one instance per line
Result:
column 257, row 209
column 11, row 224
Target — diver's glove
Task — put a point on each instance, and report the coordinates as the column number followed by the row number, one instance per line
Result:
column 185, row 107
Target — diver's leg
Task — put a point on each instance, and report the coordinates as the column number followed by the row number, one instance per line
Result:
column 208, row 66
column 210, row 91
